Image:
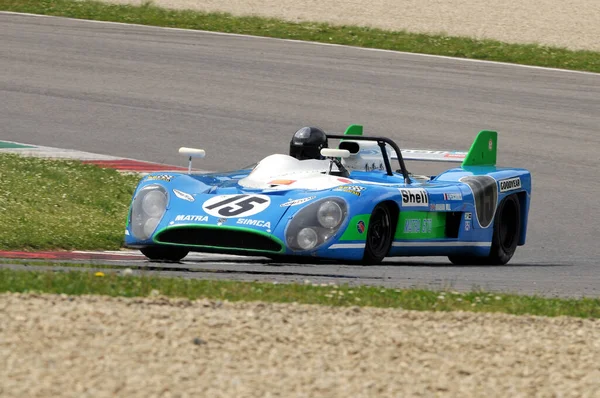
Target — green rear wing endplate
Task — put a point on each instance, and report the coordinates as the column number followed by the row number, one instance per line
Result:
column 483, row 150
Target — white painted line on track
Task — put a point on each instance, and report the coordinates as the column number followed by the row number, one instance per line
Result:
column 314, row 43
column 49, row 152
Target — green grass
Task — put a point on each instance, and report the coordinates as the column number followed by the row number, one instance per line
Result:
column 112, row 284
column 319, row 32
column 57, row 204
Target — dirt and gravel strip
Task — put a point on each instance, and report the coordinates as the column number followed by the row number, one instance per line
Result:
column 573, row 24
column 98, row 346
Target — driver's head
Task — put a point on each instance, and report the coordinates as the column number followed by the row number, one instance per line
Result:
column 307, row 143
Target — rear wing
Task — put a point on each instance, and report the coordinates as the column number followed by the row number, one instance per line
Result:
column 482, row 151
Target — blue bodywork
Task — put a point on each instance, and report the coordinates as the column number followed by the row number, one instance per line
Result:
column 448, row 214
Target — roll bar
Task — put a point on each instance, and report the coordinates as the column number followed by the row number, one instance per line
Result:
column 381, row 141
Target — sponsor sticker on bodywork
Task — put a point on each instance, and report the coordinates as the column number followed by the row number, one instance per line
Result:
column 189, row 217
column 257, row 223
column 360, row 227
column 453, row 196
column 183, row 195
column 353, row 189
column 226, row 206
column 510, row 184
column 161, row 177
column 417, row 226
column 297, row 202
column 414, row 197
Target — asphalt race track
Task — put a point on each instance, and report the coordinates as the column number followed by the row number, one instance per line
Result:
column 143, row 92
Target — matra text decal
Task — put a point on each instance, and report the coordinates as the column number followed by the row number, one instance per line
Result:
column 510, row 184
column 414, row 226
column 182, row 217
column 414, row 197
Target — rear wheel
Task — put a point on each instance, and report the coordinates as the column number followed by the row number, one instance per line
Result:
column 507, row 228
column 379, row 235
column 162, row 253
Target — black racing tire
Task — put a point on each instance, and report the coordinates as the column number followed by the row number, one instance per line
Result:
column 380, row 234
column 505, row 239
column 165, row 253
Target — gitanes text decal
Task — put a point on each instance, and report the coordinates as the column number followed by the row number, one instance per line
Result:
column 236, row 205
column 414, row 197
column 510, row 184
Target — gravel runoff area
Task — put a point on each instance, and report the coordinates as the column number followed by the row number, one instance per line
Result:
column 573, row 24
column 60, row 346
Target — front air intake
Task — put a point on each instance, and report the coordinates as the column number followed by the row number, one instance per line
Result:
column 227, row 238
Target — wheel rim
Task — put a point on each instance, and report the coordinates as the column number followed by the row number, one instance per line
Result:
column 508, row 226
column 379, row 232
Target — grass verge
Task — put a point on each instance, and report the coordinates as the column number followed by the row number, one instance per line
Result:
column 319, row 32
column 77, row 283
column 58, row 204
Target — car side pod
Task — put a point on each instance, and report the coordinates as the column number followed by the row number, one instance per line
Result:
column 192, row 153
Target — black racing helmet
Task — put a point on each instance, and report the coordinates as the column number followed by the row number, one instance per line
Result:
column 307, row 143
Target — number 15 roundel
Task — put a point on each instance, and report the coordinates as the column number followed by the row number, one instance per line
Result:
column 236, row 205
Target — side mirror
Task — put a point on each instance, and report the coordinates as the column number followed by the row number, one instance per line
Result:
column 335, row 153
column 192, row 153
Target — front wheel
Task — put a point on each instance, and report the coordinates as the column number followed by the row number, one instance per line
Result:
column 507, row 230
column 162, row 253
column 379, row 235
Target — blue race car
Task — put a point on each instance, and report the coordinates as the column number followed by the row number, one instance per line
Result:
column 346, row 203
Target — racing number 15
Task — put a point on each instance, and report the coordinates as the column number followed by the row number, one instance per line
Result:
column 237, row 205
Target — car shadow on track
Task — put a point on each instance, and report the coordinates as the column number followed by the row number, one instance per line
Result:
column 309, row 262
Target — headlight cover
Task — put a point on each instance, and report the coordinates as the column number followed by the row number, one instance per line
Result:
column 316, row 223
column 147, row 209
